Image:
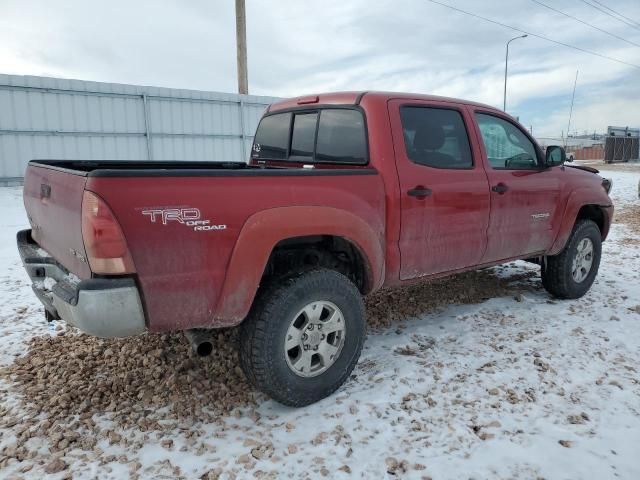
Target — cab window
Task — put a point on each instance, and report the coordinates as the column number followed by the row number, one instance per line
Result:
column 507, row 147
column 435, row 137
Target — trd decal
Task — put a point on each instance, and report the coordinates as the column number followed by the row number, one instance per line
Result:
column 540, row 216
column 187, row 216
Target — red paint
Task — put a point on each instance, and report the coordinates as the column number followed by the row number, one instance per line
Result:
column 448, row 221
column 265, row 229
column 191, row 278
column 188, row 277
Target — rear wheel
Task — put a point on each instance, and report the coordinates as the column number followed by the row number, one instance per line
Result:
column 303, row 337
column 571, row 273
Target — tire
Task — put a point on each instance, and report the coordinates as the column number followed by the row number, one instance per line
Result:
column 558, row 272
column 287, row 307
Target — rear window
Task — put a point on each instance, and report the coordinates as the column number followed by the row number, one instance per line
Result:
column 341, row 137
column 272, row 138
column 303, row 136
column 328, row 135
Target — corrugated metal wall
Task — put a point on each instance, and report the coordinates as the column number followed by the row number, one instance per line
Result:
column 43, row 117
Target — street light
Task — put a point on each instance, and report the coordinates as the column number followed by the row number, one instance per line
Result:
column 506, row 62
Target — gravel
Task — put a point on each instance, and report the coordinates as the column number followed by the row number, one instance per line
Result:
column 149, row 383
column 153, row 382
column 71, row 373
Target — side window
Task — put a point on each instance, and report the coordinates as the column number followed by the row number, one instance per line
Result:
column 272, row 137
column 341, row 137
column 435, row 137
column 303, row 136
column 506, row 146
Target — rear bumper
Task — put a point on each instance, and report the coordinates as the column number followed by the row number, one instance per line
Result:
column 99, row 307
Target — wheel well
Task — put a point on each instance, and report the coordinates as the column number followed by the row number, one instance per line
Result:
column 327, row 251
column 592, row 212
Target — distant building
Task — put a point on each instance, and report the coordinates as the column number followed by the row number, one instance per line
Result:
column 623, row 132
column 622, row 144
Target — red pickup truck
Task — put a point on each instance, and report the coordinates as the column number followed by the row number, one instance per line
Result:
column 344, row 193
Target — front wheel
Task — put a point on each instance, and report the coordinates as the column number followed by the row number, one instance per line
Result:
column 303, row 337
column 571, row 273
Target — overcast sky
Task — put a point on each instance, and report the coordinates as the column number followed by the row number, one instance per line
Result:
column 299, row 47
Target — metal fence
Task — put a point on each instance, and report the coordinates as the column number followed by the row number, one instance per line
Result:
column 43, row 117
column 621, row 149
column 590, row 152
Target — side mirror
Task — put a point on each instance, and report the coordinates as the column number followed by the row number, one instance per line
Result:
column 555, row 155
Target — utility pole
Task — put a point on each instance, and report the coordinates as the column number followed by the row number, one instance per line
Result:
column 573, row 96
column 241, row 47
column 506, row 63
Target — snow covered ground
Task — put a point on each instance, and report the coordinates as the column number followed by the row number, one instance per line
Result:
column 479, row 376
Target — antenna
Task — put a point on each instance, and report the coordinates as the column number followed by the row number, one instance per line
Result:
column 573, row 96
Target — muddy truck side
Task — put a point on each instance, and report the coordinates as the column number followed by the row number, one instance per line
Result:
column 344, row 194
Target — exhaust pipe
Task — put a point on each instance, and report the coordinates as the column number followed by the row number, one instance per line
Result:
column 201, row 341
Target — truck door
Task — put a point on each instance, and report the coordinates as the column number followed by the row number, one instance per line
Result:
column 443, row 187
column 524, row 196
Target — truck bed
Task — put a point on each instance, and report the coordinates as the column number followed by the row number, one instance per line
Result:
column 182, row 220
column 117, row 168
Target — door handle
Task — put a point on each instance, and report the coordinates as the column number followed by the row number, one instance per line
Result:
column 419, row 192
column 499, row 188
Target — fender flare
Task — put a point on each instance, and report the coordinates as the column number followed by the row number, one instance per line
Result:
column 261, row 233
column 575, row 201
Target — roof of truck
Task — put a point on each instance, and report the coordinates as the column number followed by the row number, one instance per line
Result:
column 354, row 98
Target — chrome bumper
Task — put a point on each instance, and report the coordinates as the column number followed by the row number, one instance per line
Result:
column 100, row 307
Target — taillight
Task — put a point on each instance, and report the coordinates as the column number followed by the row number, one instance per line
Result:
column 104, row 242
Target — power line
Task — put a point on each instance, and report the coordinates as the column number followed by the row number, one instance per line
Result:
column 617, row 13
column 586, row 23
column 571, row 110
column 612, row 16
column 542, row 37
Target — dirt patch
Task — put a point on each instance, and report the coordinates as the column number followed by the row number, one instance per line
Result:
column 629, row 215
column 630, row 241
column 616, row 167
column 388, row 306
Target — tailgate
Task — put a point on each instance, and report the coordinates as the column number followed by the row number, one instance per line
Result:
column 53, row 200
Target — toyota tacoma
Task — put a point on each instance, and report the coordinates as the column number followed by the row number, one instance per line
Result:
column 343, row 194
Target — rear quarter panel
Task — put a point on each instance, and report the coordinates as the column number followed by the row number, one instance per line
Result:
column 182, row 271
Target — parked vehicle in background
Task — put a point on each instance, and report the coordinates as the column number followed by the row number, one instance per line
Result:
column 345, row 193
